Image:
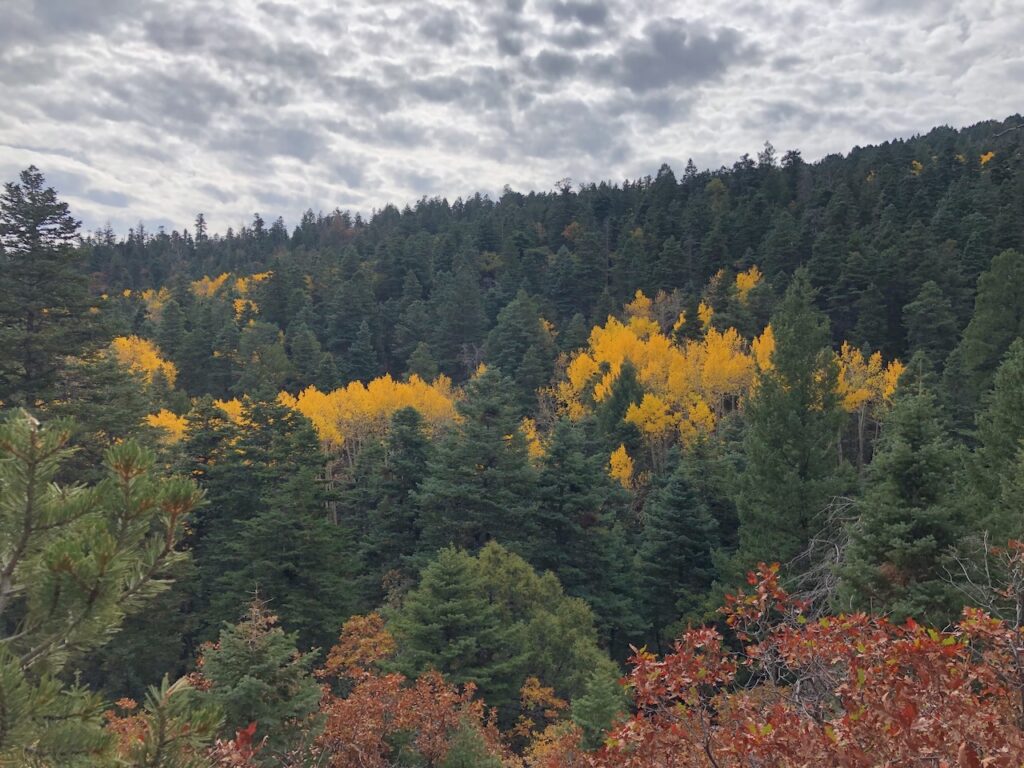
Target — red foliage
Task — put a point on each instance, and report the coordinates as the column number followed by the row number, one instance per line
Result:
column 360, row 729
column 851, row 690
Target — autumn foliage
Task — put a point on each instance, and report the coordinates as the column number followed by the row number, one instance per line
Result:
column 385, row 713
column 849, row 690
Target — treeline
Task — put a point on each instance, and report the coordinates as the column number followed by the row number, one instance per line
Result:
column 506, row 441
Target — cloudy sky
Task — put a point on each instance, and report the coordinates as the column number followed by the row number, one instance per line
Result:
column 154, row 110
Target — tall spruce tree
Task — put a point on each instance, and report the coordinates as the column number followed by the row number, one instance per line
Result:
column 1000, row 431
column 256, row 675
column 480, row 485
column 793, row 420
column 450, row 624
column 675, row 559
column 908, row 519
column 43, row 299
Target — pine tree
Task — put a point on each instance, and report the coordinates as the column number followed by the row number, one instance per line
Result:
column 675, row 564
column 469, row 750
column 382, row 496
column 361, row 362
column 793, row 420
column 598, row 709
column 930, row 323
column 78, row 559
column 992, row 471
column 43, row 300
column 448, row 623
column 579, row 507
column 422, row 362
column 256, row 674
column 519, row 343
column 908, row 520
column 282, row 543
column 998, row 319
column 480, row 484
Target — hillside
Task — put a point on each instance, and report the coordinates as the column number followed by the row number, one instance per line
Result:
column 503, row 452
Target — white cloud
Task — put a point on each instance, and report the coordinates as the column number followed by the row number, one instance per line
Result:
column 155, row 110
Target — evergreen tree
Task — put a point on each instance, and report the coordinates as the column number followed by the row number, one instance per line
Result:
column 930, row 323
column 361, row 362
column 448, row 623
column 793, row 420
column 382, row 495
column 993, row 469
column 256, row 675
column 998, row 319
column 281, row 542
column 43, row 300
column 469, row 750
column 598, row 709
column 422, row 363
column 480, row 484
column 675, row 564
column 579, row 505
column 78, row 559
column 908, row 520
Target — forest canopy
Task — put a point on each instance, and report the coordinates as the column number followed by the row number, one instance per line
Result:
column 720, row 469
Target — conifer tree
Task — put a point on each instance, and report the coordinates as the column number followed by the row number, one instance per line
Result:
column 282, row 542
column 908, row 520
column 448, row 623
column 576, row 524
column 675, row 564
column 998, row 319
column 993, row 469
column 76, row 561
column 256, row 675
column 480, row 484
column 43, row 300
column 793, row 421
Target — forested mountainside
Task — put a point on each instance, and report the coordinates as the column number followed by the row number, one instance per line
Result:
column 347, row 487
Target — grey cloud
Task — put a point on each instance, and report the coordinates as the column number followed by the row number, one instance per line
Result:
column 554, row 129
column 577, row 38
column 109, row 197
column 593, row 13
column 673, row 52
column 554, row 65
column 442, row 25
column 264, row 139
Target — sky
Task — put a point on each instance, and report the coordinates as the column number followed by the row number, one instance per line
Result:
column 155, row 110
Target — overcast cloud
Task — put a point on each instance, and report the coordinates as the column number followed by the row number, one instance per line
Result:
column 154, row 110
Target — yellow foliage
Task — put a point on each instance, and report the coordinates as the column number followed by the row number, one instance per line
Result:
column 241, row 306
column 699, row 422
column 243, row 284
column 232, row 409
column 640, row 306
column 746, row 282
column 155, row 301
column 345, row 418
column 171, row 425
column 651, row 415
column 127, row 293
column 142, row 357
column 679, row 323
column 864, row 383
column 985, row 158
column 763, row 348
column 891, row 378
column 916, row 167
column 620, row 467
column 206, row 287
column 534, row 444
column 705, row 313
